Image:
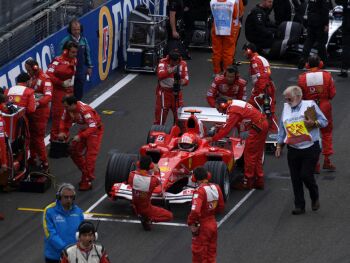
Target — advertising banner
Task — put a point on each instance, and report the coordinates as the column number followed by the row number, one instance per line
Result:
column 106, row 31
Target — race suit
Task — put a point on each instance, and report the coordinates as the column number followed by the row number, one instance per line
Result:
column 42, row 86
column 318, row 85
column 61, row 69
column 260, row 72
column 238, row 111
column 22, row 96
column 206, row 202
column 3, row 152
column 83, row 61
column 74, row 253
column 84, row 152
column 225, row 31
column 143, row 184
column 166, row 98
column 221, row 89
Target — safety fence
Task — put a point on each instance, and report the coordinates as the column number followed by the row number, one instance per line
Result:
column 40, row 25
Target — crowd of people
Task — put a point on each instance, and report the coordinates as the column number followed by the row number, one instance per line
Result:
column 305, row 121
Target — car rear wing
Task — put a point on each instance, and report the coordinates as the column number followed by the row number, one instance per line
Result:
column 204, row 114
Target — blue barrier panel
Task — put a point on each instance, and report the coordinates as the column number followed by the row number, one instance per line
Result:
column 105, row 28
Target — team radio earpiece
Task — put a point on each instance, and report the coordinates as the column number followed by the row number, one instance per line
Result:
column 194, row 179
column 315, row 61
column 320, row 65
column 33, row 64
column 86, row 224
column 60, row 189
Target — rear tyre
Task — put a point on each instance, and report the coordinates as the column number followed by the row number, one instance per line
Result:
column 157, row 128
column 118, row 168
column 220, row 176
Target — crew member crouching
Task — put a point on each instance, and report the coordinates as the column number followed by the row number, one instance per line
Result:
column 143, row 182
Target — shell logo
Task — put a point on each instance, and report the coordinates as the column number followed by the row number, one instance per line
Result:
column 17, row 99
column 164, row 169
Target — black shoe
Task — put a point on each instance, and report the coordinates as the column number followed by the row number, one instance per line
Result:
column 301, row 63
column 315, row 205
column 146, row 223
column 343, row 74
column 298, row 211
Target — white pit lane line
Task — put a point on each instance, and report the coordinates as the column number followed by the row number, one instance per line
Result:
column 98, row 101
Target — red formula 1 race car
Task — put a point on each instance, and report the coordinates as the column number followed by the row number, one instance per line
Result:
column 176, row 163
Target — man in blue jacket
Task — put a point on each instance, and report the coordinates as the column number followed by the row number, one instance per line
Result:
column 84, row 66
column 60, row 222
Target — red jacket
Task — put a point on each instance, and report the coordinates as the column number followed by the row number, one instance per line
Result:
column 22, row 96
column 165, row 79
column 237, row 111
column 85, row 116
column 42, row 85
column 260, row 73
column 3, row 149
column 206, row 202
column 61, row 69
column 219, row 88
column 143, row 184
column 317, row 85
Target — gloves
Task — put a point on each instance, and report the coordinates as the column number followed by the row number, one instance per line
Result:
column 67, row 83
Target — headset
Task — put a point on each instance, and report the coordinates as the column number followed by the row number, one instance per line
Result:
column 194, row 179
column 223, row 103
column 73, row 21
column 62, row 187
column 33, row 64
column 250, row 48
column 68, row 45
column 314, row 61
column 84, row 224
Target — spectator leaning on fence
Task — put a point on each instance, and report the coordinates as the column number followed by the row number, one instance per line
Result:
column 84, row 66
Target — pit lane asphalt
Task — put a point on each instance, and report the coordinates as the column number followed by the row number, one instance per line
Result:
column 262, row 229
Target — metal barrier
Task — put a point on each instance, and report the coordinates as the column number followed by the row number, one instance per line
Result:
column 40, row 26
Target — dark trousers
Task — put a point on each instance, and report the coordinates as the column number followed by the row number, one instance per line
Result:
column 47, row 260
column 302, row 164
column 79, row 83
column 315, row 34
column 346, row 50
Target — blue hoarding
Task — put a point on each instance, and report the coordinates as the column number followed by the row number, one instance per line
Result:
column 105, row 28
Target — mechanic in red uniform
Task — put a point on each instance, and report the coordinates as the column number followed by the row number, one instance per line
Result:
column 260, row 72
column 229, row 86
column 238, row 110
column 143, row 182
column 61, row 72
column 21, row 95
column 86, row 144
column 318, row 85
column 168, row 95
column 206, row 202
column 42, row 86
column 3, row 149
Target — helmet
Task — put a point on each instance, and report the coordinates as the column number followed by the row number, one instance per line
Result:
column 187, row 142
